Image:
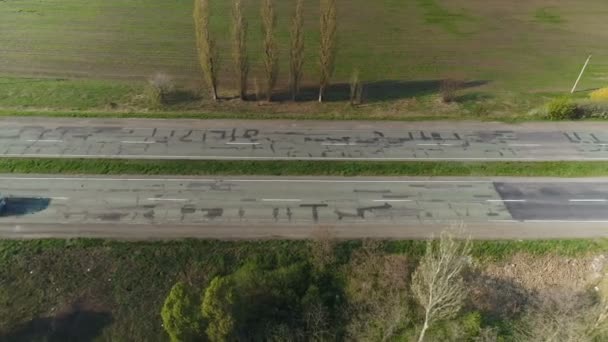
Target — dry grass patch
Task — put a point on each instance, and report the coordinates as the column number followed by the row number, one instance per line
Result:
column 539, row 273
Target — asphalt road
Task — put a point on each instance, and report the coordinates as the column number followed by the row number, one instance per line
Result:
column 245, row 208
column 304, row 140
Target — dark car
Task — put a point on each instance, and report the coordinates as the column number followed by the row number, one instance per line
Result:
column 2, row 204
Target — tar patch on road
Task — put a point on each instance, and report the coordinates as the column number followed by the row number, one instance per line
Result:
column 553, row 201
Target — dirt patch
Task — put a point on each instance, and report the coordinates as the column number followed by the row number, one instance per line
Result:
column 504, row 290
column 538, row 273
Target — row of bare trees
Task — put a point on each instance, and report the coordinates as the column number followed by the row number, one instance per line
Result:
column 208, row 52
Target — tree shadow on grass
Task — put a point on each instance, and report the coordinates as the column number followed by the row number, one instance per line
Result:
column 473, row 97
column 78, row 324
column 181, row 96
column 33, row 80
column 375, row 91
column 498, row 299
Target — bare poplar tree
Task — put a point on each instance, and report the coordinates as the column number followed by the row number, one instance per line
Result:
column 437, row 283
column 271, row 52
column 327, row 53
column 297, row 50
column 356, row 88
column 239, row 36
column 205, row 45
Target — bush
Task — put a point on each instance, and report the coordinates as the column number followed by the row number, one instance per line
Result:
column 599, row 95
column 562, row 109
column 159, row 88
column 180, row 314
column 449, row 89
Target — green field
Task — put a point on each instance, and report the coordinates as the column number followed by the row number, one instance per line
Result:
column 510, row 53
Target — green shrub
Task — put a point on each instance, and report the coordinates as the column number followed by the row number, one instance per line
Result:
column 180, row 314
column 471, row 324
column 562, row 109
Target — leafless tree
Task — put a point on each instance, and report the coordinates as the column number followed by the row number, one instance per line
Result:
column 271, row 52
column 437, row 283
column 316, row 319
column 327, row 52
column 256, row 89
column 239, row 36
column 356, row 88
column 377, row 294
column 449, row 89
column 565, row 316
column 297, row 50
column 205, row 45
column 159, row 89
column 322, row 247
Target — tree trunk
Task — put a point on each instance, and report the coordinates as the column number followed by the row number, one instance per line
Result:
column 321, row 91
column 423, row 331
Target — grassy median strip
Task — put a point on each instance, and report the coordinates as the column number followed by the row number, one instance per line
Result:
column 303, row 168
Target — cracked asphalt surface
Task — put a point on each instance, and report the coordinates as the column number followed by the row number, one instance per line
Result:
column 266, row 207
column 303, row 140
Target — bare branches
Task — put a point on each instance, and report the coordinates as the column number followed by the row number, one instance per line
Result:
column 271, row 52
column 377, row 291
column 205, row 45
column 565, row 316
column 449, row 89
column 437, row 283
column 239, row 36
column 296, row 62
column 322, row 245
column 327, row 53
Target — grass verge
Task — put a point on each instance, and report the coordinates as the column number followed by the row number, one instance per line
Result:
column 332, row 115
column 303, row 168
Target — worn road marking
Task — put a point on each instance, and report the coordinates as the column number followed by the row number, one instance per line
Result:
column 525, row 145
column 589, row 200
column 392, row 200
column 435, row 144
column 45, row 140
column 339, row 144
column 547, row 221
column 137, row 142
column 281, row 200
column 242, row 143
column 60, row 198
column 564, row 221
column 506, row 200
column 168, row 199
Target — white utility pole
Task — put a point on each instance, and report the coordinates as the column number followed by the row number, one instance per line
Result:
column 581, row 75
